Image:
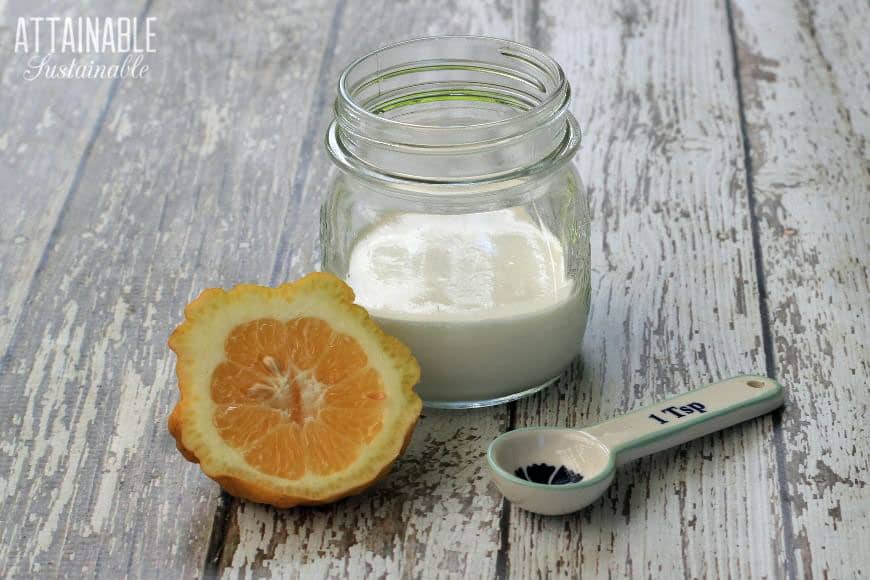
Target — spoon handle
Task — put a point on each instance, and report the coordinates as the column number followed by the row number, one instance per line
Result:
column 688, row 416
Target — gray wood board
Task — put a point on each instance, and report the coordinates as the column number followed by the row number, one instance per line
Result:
column 123, row 200
column 674, row 302
column 47, row 127
column 805, row 76
column 184, row 188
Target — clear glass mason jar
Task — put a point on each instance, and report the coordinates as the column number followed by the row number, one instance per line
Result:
column 456, row 215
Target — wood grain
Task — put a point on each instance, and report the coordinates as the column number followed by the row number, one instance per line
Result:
column 47, row 128
column 804, row 71
column 436, row 514
column 731, row 234
column 184, row 189
column 674, row 301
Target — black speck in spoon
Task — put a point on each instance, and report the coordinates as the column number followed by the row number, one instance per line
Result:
column 547, row 474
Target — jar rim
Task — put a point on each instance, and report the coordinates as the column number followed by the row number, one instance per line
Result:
column 488, row 77
column 534, row 56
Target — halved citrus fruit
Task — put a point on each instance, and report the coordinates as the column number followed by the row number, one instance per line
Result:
column 291, row 395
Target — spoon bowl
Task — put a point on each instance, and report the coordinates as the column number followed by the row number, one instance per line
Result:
column 550, row 471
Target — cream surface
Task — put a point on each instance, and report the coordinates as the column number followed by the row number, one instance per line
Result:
column 482, row 300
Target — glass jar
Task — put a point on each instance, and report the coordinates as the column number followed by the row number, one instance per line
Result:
column 457, row 216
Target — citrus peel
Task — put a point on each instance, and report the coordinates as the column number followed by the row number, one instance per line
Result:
column 291, row 395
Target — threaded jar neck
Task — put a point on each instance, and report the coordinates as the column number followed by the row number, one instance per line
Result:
column 452, row 110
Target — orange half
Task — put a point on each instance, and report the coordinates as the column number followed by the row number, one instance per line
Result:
column 291, row 395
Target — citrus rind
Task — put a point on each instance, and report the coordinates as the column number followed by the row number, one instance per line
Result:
column 199, row 345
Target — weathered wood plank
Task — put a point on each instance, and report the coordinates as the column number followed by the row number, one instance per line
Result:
column 674, row 301
column 804, row 72
column 46, row 127
column 839, row 31
column 436, row 513
column 120, row 218
column 184, row 189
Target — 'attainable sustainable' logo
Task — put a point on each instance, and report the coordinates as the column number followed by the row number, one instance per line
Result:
column 69, row 47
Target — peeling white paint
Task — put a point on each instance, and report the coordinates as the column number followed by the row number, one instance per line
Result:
column 121, row 125
column 214, row 119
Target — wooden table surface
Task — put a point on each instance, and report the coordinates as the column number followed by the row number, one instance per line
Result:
column 725, row 153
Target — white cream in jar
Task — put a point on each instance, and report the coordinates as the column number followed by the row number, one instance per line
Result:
column 456, row 215
column 483, row 300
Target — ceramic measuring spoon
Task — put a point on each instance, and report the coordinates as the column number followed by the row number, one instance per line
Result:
column 554, row 471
